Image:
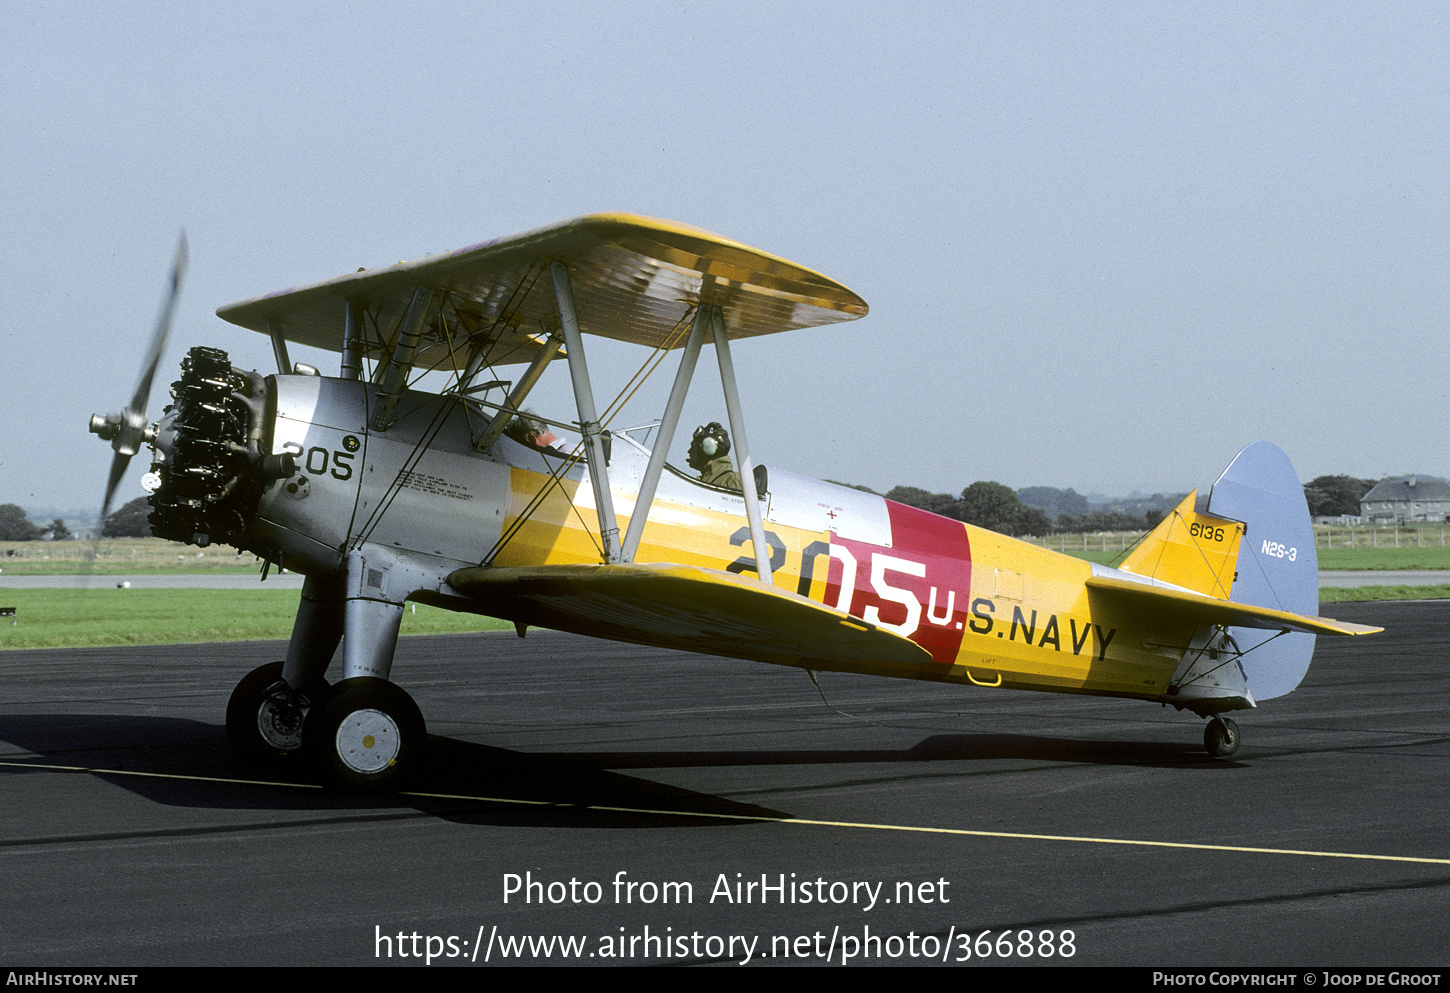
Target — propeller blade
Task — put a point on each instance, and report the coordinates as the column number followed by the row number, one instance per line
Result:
column 163, row 329
column 129, row 427
column 118, row 469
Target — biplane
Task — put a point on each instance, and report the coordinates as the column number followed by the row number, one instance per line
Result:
column 380, row 493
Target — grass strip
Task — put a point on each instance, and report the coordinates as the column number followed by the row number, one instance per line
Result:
column 1351, row 594
column 66, row 618
column 49, row 618
column 1408, row 558
column 121, row 556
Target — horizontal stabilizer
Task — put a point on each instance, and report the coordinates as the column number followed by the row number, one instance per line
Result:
column 686, row 608
column 1199, row 609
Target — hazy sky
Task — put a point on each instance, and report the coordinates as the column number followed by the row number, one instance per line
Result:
column 1104, row 245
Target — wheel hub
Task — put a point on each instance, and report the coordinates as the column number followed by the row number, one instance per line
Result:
column 279, row 719
column 368, row 741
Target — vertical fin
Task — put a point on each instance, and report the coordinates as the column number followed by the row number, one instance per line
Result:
column 1189, row 549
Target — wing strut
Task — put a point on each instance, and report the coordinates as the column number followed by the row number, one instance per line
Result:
column 279, row 347
column 737, row 431
column 712, row 317
column 516, row 396
column 393, row 377
column 588, row 418
column 666, row 432
column 352, row 341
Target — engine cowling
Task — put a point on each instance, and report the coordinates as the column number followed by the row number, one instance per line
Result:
column 210, row 467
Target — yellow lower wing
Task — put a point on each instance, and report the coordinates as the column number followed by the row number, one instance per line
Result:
column 1199, row 609
column 688, row 608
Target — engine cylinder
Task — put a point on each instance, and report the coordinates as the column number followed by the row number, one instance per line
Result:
column 208, row 492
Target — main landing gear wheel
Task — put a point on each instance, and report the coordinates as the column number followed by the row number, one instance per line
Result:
column 1221, row 737
column 367, row 737
column 265, row 717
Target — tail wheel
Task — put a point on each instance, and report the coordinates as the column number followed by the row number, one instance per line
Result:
column 265, row 717
column 367, row 737
column 1221, row 737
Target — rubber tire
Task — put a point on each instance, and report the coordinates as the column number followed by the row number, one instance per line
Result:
column 1221, row 737
column 245, row 718
column 367, row 737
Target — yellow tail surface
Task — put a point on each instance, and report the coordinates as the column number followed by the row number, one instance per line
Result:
column 1196, row 551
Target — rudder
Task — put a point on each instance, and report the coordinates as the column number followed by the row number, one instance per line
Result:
column 1277, row 567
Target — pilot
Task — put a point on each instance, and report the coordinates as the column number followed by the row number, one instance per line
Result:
column 525, row 427
column 708, row 451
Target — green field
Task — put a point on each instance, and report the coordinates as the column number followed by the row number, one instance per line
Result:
column 93, row 618
column 120, row 556
column 1429, row 557
column 108, row 616
column 124, row 556
column 1359, row 593
column 104, row 617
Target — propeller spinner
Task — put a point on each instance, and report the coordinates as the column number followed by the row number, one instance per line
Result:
column 129, row 430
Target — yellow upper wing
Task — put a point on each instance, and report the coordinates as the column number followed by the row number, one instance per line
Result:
column 635, row 279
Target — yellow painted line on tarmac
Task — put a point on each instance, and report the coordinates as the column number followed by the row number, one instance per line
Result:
column 762, row 819
column 50, row 767
column 963, row 832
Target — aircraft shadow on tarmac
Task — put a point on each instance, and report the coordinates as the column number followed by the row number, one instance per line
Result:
column 189, row 763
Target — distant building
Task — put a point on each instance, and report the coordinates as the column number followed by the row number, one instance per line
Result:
column 1405, row 499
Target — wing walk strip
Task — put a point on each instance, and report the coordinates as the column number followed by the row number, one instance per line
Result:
column 760, row 819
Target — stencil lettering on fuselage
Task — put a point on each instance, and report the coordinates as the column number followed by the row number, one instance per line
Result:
column 1040, row 629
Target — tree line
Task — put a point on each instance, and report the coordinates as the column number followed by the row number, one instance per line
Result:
column 1043, row 510
column 1037, row 510
column 126, row 522
column 15, row 526
column 1331, row 496
column 1032, row 510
